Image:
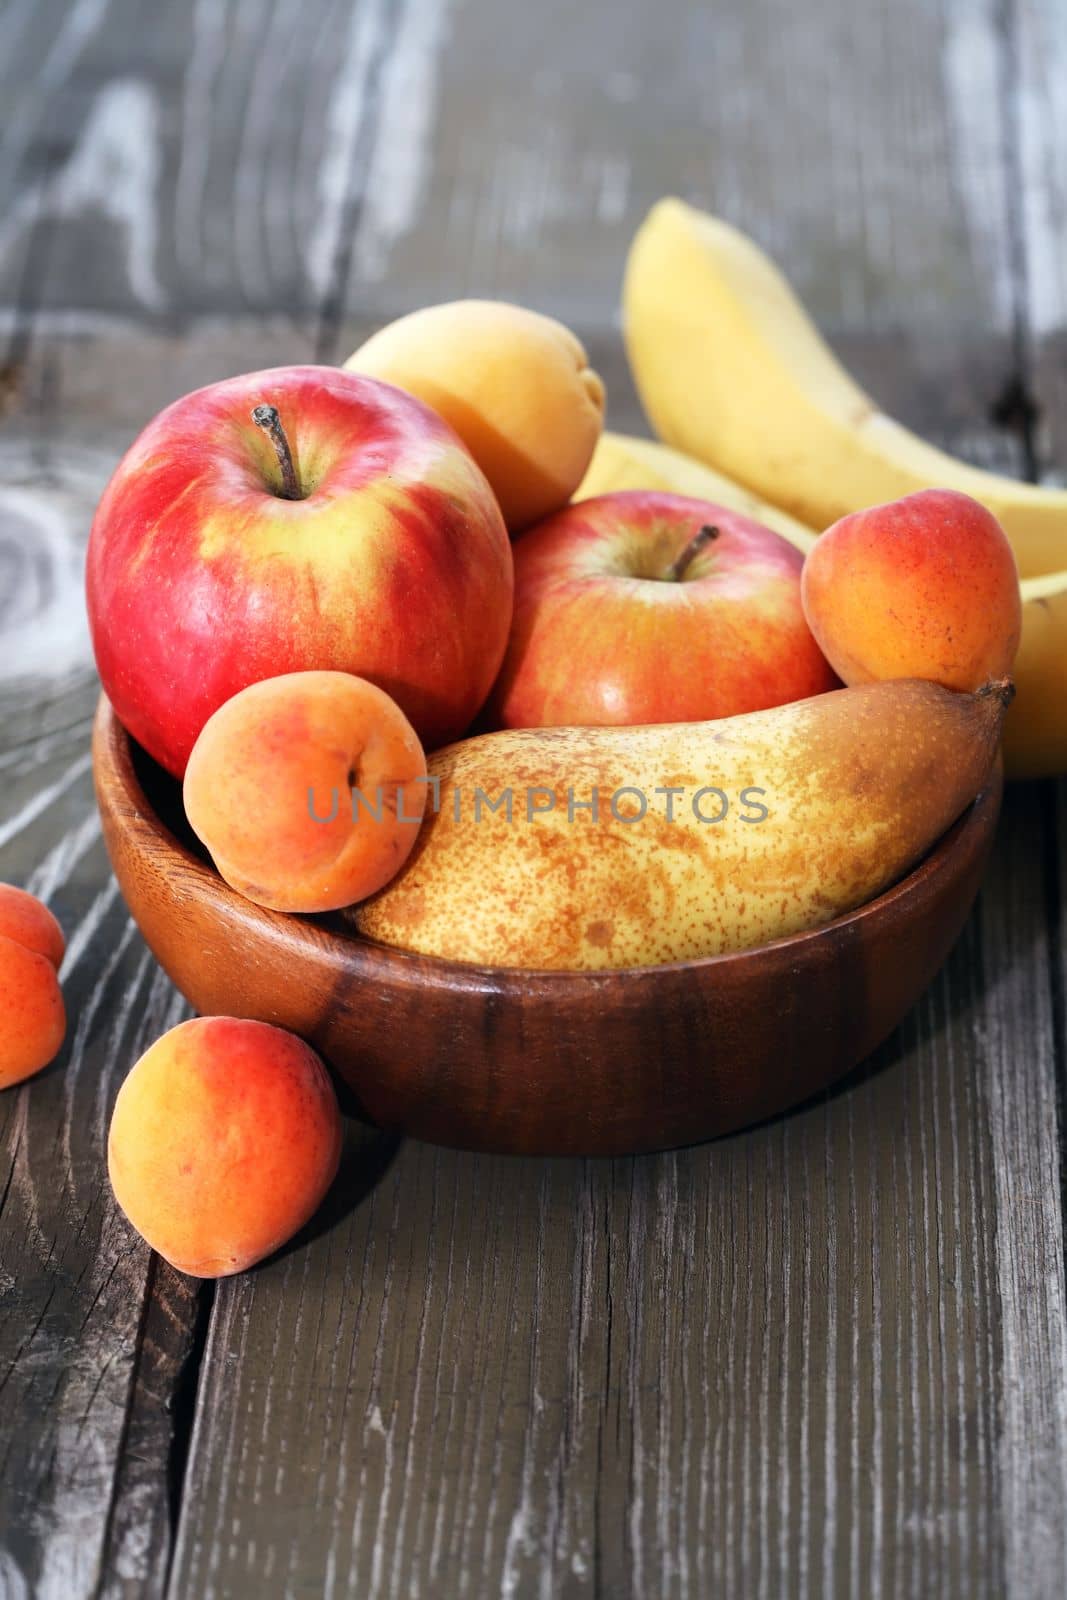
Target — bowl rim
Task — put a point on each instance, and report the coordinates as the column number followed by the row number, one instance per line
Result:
column 113, row 754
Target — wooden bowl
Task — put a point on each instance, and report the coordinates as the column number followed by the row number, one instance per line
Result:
column 489, row 1058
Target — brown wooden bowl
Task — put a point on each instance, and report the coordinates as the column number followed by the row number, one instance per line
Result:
column 562, row 1063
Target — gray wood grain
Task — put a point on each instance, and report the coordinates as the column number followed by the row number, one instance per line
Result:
column 88, row 1356
column 1023, row 1084
column 1026, row 1097
column 1038, row 58
column 309, row 158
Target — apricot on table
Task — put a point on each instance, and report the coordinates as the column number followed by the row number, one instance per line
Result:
column 33, row 1019
column 924, row 587
column 515, row 385
column 224, row 1140
column 308, row 790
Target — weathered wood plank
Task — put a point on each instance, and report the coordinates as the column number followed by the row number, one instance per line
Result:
column 1022, row 1047
column 73, row 1279
column 150, row 1463
column 1037, row 61
column 88, row 1359
column 305, row 157
column 208, row 163
column 1027, row 1102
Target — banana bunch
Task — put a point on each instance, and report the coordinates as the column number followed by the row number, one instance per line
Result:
column 735, row 375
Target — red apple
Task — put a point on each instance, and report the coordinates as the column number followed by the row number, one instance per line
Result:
column 343, row 528
column 627, row 612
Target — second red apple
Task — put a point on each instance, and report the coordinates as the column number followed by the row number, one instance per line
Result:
column 627, row 611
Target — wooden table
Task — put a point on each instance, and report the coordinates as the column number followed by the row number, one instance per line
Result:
column 827, row 1357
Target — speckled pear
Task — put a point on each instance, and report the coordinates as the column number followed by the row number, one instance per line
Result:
column 708, row 837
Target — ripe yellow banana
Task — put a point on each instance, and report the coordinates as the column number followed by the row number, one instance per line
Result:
column 585, row 848
column 622, row 462
column 731, row 369
column 1035, row 730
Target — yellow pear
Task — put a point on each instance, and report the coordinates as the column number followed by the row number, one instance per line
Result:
column 705, row 838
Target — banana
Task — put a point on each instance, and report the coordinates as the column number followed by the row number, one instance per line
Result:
column 589, row 848
column 731, row 369
column 623, row 462
column 1035, row 729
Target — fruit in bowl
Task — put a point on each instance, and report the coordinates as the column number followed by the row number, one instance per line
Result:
column 516, row 386
column 592, row 848
column 577, row 1063
column 922, row 587
column 307, row 790
column 289, row 520
column 677, row 779
column 644, row 606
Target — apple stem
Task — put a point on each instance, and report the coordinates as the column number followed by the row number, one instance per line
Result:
column 267, row 418
column 678, row 570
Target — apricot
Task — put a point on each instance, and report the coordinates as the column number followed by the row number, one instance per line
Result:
column 33, row 1019
column 307, row 790
column 224, row 1139
column 924, row 587
column 516, row 386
